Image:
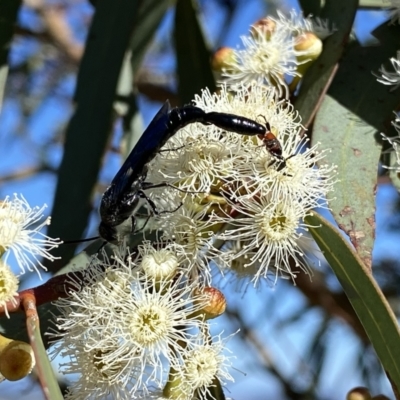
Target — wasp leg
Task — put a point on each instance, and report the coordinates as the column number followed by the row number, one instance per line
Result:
column 148, row 185
column 154, row 207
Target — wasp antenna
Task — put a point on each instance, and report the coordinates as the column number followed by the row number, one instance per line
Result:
column 81, row 240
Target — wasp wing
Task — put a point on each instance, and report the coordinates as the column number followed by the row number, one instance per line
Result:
column 152, row 139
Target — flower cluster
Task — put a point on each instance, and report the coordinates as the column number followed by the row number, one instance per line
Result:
column 20, row 227
column 277, row 48
column 137, row 325
column 127, row 329
column 248, row 196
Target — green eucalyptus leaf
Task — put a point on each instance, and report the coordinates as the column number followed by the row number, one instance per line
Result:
column 90, row 127
column 379, row 4
column 317, row 79
column 43, row 367
column 356, row 154
column 192, row 53
column 313, row 7
column 8, row 12
column 363, row 292
column 356, row 109
column 149, row 17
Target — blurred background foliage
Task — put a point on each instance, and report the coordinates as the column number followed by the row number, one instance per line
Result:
column 62, row 147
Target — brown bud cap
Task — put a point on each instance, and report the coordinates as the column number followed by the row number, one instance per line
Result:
column 359, row 393
column 223, row 58
column 16, row 360
column 265, row 26
column 215, row 303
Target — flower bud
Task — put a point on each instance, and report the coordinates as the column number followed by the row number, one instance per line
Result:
column 16, row 359
column 310, row 48
column 309, row 44
column 214, row 303
column 359, row 393
column 223, row 58
column 264, row 26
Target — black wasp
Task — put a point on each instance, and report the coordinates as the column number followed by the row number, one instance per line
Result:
column 122, row 196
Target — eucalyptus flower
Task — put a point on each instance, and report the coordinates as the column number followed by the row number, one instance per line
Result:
column 266, row 57
column 259, row 199
column 8, row 286
column 20, row 234
column 204, row 366
column 299, row 24
column 127, row 326
column 101, row 372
